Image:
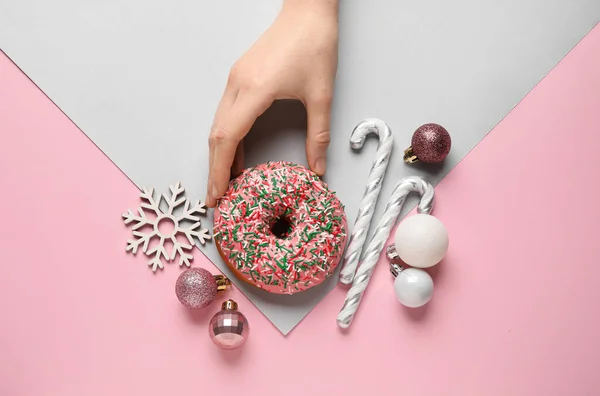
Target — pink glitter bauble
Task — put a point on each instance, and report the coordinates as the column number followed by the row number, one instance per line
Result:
column 431, row 143
column 196, row 288
column 228, row 329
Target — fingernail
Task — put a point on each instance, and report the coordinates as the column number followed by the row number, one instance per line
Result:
column 320, row 166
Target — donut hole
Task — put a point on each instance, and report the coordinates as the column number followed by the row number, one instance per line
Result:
column 281, row 228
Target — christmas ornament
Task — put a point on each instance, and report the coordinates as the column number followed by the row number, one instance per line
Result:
column 166, row 226
column 413, row 286
column 198, row 288
column 421, row 241
column 380, row 236
column 430, row 144
column 372, row 190
column 228, row 329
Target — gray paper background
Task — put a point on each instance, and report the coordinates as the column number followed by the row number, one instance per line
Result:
column 142, row 78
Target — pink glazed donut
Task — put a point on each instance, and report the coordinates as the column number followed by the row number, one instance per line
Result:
column 280, row 228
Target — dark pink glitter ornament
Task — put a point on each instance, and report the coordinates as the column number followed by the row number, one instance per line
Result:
column 430, row 144
column 198, row 288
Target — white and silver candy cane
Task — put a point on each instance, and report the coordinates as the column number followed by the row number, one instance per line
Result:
column 372, row 190
column 420, row 241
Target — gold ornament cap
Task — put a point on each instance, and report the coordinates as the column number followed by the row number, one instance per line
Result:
column 409, row 156
column 229, row 305
column 223, row 282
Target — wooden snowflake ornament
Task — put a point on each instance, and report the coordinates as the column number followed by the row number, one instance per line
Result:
column 166, row 227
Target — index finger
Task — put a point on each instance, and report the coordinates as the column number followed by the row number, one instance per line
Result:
column 242, row 115
column 225, row 105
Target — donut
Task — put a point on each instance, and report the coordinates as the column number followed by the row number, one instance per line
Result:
column 280, row 228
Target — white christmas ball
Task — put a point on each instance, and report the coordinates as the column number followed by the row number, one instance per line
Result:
column 413, row 287
column 421, row 240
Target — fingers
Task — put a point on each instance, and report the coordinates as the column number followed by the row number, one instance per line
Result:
column 238, row 160
column 223, row 109
column 226, row 138
column 318, row 135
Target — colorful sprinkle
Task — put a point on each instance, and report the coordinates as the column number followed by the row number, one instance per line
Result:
column 303, row 257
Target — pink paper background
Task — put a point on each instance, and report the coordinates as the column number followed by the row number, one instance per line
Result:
column 514, row 312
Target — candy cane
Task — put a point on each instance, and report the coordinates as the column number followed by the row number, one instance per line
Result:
column 380, row 236
column 372, row 190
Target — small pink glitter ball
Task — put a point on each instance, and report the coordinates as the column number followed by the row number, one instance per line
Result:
column 431, row 143
column 196, row 288
column 228, row 329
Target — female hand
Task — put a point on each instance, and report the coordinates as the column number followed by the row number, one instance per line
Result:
column 296, row 58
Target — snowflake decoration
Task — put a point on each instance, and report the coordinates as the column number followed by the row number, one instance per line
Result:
column 186, row 223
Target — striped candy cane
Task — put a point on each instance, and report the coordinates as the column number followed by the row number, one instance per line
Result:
column 369, row 200
column 380, row 236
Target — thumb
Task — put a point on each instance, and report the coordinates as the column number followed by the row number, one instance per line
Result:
column 318, row 134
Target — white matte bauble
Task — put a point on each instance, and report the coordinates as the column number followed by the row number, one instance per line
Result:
column 413, row 287
column 421, row 240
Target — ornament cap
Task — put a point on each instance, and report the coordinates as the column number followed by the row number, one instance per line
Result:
column 391, row 253
column 395, row 269
column 409, row 156
column 222, row 282
column 229, row 305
